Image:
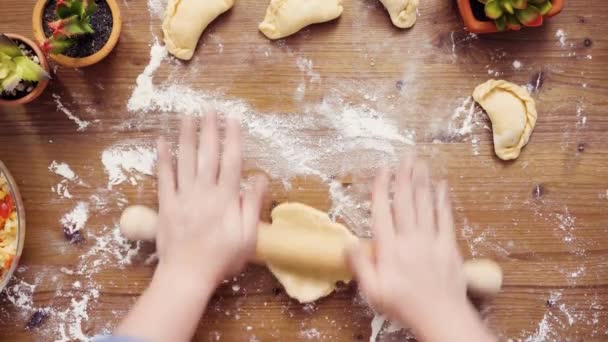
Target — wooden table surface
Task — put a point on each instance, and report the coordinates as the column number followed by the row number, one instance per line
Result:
column 544, row 217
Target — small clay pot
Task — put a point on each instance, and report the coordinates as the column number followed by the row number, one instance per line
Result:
column 44, row 63
column 475, row 26
column 37, row 23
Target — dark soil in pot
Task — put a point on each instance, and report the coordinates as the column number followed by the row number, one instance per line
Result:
column 24, row 87
column 479, row 11
column 88, row 44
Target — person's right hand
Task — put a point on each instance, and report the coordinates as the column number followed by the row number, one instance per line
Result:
column 206, row 229
column 415, row 275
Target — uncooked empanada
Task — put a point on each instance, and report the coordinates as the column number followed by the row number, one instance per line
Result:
column 286, row 17
column 185, row 21
column 512, row 112
column 403, row 12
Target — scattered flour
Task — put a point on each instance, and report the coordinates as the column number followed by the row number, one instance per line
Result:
column 76, row 219
column 307, row 66
column 349, row 129
column 68, row 175
column 127, row 162
column 561, row 37
column 311, row 334
column 157, row 8
column 381, row 323
column 517, row 65
column 63, row 170
column 82, row 125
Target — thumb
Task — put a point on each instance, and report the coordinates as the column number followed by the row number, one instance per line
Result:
column 362, row 265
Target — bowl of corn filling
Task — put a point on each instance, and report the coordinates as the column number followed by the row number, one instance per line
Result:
column 12, row 226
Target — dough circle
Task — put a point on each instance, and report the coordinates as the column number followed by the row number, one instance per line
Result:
column 286, row 17
column 312, row 285
column 512, row 112
column 138, row 222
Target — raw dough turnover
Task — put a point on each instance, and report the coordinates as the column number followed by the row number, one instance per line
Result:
column 307, row 286
column 185, row 21
column 512, row 112
column 403, row 12
column 286, row 17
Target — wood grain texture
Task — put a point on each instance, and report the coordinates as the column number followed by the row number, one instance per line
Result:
column 544, row 217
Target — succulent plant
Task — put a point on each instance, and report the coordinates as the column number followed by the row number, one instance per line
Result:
column 73, row 20
column 16, row 66
column 514, row 14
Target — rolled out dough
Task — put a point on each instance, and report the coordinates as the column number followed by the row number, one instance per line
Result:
column 307, row 286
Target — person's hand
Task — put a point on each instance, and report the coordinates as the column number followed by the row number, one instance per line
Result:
column 415, row 275
column 206, row 228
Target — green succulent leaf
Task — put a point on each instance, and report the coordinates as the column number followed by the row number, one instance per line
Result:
column 506, row 5
column 544, row 8
column 8, row 47
column 30, row 70
column 6, row 67
column 501, row 23
column 527, row 15
column 90, row 7
column 73, row 20
column 11, row 81
column 86, row 25
column 493, row 9
column 63, row 12
column 519, row 4
column 537, row 2
column 512, row 21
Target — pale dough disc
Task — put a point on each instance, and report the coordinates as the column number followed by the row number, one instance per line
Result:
column 286, row 17
column 512, row 112
column 307, row 286
column 185, row 21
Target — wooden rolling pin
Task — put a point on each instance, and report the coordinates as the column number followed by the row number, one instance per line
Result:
column 289, row 246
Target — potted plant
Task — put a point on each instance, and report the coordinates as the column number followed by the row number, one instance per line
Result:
column 24, row 70
column 77, row 33
column 489, row 16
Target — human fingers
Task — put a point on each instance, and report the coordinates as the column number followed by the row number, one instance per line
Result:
column 382, row 216
column 403, row 204
column 362, row 266
column 425, row 213
column 208, row 150
column 186, row 161
column 445, row 219
column 232, row 159
column 166, row 180
column 251, row 207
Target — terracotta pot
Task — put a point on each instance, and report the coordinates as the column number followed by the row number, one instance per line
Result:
column 44, row 63
column 475, row 26
column 37, row 24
